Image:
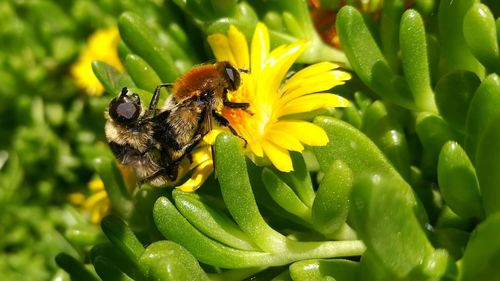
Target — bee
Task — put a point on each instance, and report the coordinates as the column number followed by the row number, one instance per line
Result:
column 129, row 130
column 154, row 141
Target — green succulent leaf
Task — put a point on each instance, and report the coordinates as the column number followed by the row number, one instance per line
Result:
column 141, row 73
column 166, row 260
column 433, row 132
column 415, row 60
column 318, row 270
column 284, row 195
column 488, row 165
column 122, row 237
column 75, row 268
column 458, row 181
column 176, row 228
column 211, row 222
column 367, row 60
column 457, row 55
column 481, row 260
column 139, row 38
column 331, row 206
column 383, row 212
column 237, row 193
column 112, row 80
column 390, row 17
column 454, row 93
column 484, row 106
column 387, row 133
column 107, row 270
column 114, row 184
column 481, row 35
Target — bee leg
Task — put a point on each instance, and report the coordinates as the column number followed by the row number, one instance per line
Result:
column 240, row 105
column 236, row 105
column 223, row 122
column 156, row 95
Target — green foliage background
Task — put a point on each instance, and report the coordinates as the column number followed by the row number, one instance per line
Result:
column 407, row 188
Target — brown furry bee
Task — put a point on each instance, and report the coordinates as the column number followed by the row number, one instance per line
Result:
column 154, row 141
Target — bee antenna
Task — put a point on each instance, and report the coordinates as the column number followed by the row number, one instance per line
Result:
column 124, row 91
column 244, row 70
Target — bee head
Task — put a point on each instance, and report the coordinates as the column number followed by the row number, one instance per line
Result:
column 125, row 108
column 232, row 75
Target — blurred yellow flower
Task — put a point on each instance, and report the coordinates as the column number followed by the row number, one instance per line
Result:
column 268, row 133
column 101, row 46
column 97, row 205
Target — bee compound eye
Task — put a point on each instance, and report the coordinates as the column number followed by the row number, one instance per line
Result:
column 233, row 76
column 127, row 111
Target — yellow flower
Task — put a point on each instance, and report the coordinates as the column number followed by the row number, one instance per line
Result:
column 270, row 129
column 100, row 46
column 202, row 164
column 97, row 205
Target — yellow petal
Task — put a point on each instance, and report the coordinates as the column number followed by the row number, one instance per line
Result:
column 312, row 102
column 239, row 47
column 284, row 140
column 94, row 199
column 312, row 70
column 201, row 155
column 256, row 148
column 305, row 132
column 76, row 198
column 318, row 83
column 221, row 48
column 259, row 48
column 279, row 62
column 278, row 156
column 200, row 175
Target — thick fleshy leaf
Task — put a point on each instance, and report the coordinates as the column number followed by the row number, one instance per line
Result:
column 390, row 17
column 75, row 268
column 454, row 93
column 166, row 260
column 211, row 222
column 458, row 56
column 331, row 206
column 488, row 165
column 107, row 270
column 284, row 195
column 481, row 260
column 367, row 60
column 481, row 35
column 319, row 270
column 360, row 154
column 114, row 184
column 112, row 80
column 383, row 211
column 484, row 106
column 237, row 193
column 176, row 228
column 122, row 237
column 458, row 181
column 414, row 57
column 139, row 38
column 387, row 133
column 142, row 74
column 433, row 132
